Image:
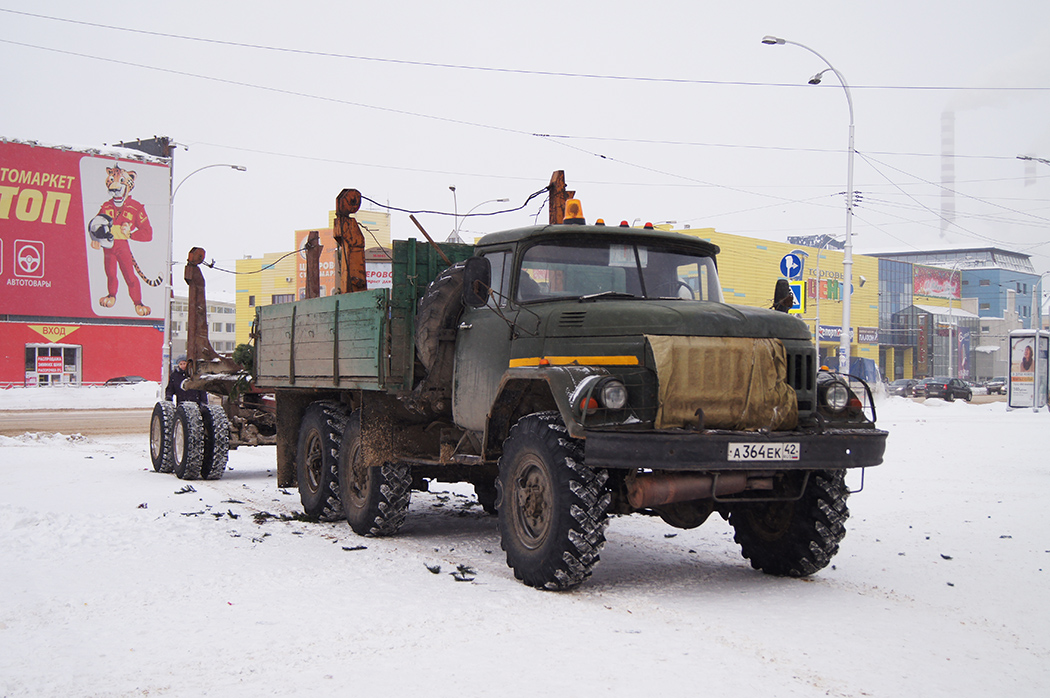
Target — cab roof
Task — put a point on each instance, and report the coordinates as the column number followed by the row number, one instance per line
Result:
column 612, row 232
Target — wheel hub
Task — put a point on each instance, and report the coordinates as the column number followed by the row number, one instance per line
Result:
column 533, row 505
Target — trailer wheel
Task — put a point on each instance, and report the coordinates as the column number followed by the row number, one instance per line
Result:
column 216, row 442
column 795, row 539
column 161, row 445
column 188, row 441
column 375, row 500
column 552, row 508
column 320, row 433
column 439, row 309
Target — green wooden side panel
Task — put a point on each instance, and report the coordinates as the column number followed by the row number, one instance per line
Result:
column 353, row 341
column 333, row 342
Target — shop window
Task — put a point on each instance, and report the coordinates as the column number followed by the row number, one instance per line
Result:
column 251, row 301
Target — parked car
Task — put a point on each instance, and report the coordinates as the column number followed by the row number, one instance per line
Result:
column 976, row 387
column 996, row 385
column 945, row 388
column 903, row 387
column 125, row 380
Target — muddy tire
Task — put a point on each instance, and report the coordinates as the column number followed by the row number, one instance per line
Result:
column 188, row 441
column 439, row 310
column 216, row 442
column 486, row 493
column 795, row 539
column 320, row 434
column 375, row 500
column 552, row 508
column 161, row 446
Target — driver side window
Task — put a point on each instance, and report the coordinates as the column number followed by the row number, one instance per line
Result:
column 500, row 264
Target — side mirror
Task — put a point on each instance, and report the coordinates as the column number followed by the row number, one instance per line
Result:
column 477, row 277
column 783, row 299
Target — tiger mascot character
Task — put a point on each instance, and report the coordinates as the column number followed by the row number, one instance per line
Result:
column 120, row 220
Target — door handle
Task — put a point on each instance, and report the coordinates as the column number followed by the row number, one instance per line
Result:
column 465, row 325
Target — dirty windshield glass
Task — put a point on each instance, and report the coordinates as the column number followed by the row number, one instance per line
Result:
column 596, row 268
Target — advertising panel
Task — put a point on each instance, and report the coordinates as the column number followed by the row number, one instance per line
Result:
column 82, row 234
column 1022, row 370
column 377, row 271
column 935, row 282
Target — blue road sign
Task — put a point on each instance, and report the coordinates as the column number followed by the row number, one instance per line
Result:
column 791, row 266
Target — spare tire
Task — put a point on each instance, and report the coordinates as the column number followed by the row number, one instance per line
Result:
column 439, row 310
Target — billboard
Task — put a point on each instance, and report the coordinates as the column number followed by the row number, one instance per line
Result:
column 378, row 272
column 934, row 282
column 83, row 233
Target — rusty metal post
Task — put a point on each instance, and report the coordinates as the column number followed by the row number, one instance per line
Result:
column 559, row 195
column 350, row 241
column 313, row 264
column 198, row 346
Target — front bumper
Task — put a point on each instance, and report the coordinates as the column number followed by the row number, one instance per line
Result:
column 683, row 450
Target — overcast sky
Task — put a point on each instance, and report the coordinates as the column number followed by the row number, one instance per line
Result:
column 656, row 111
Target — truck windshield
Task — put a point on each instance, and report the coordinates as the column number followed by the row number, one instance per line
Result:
column 591, row 268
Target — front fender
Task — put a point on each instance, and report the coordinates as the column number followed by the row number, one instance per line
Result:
column 525, row 390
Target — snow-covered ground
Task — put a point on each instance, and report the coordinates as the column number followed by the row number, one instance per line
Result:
column 117, row 581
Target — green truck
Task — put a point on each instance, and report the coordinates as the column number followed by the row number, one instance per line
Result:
column 570, row 373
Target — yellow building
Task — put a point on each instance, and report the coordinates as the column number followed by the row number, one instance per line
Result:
column 263, row 280
column 280, row 277
column 749, row 268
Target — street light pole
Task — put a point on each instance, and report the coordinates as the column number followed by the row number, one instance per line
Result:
column 166, row 351
column 467, row 214
column 455, row 209
column 847, row 259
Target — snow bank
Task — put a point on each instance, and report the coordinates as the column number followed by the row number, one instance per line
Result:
column 81, row 397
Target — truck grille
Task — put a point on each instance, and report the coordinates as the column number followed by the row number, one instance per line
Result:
column 802, row 374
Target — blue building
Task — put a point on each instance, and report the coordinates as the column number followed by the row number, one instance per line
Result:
column 921, row 333
column 987, row 274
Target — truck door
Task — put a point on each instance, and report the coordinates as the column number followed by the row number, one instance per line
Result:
column 482, row 350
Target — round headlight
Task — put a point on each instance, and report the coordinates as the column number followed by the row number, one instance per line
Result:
column 614, row 395
column 837, row 396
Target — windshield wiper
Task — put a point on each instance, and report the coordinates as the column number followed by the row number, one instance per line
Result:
column 606, row 294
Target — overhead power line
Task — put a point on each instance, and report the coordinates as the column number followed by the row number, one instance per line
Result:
column 492, row 69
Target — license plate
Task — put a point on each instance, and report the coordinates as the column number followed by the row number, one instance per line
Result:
column 763, row 451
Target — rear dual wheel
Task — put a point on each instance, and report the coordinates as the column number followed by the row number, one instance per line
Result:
column 320, row 435
column 375, row 499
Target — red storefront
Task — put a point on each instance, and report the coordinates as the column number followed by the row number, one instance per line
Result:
column 84, row 240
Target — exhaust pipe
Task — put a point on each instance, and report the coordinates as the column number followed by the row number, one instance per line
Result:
column 647, row 490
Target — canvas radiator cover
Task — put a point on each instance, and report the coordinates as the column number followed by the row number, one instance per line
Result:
column 739, row 382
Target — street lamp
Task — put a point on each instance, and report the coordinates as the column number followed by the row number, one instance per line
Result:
column 167, row 279
column 455, row 220
column 847, row 259
column 467, row 214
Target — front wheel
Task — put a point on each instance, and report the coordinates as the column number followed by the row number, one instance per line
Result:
column 552, row 508
column 795, row 539
column 375, row 500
